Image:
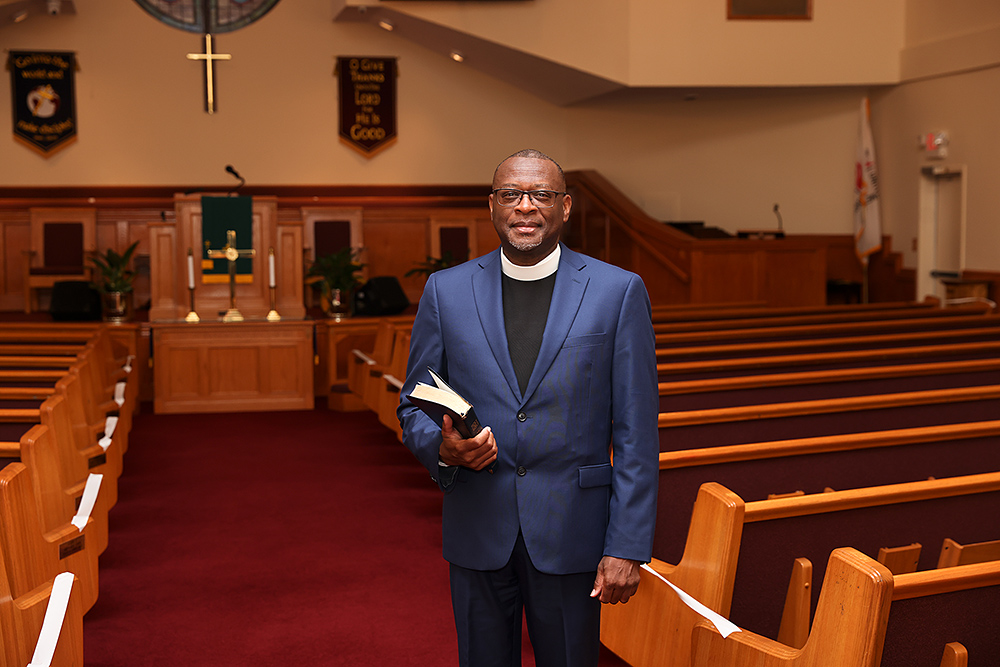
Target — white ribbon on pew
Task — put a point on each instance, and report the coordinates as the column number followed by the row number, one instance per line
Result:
column 87, row 501
column 363, row 357
column 109, row 430
column 120, row 393
column 128, row 363
column 55, row 613
column 721, row 623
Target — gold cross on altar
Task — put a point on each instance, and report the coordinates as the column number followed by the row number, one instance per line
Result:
column 229, row 252
column 209, row 57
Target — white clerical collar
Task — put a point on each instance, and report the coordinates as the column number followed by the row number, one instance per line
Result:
column 537, row 271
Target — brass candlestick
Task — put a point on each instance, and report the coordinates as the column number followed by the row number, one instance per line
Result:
column 192, row 316
column 272, row 315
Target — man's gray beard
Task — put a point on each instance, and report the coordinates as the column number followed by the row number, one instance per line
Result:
column 523, row 246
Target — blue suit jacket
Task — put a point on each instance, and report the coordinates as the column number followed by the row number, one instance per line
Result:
column 594, row 382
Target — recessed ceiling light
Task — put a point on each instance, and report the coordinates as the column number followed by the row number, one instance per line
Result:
column 19, row 16
column 457, row 56
column 386, row 24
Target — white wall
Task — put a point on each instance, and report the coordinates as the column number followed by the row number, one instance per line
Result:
column 726, row 157
column 141, row 118
column 688, row 42
column 953, row 58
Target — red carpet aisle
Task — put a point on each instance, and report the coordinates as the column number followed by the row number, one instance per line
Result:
column 272, row 539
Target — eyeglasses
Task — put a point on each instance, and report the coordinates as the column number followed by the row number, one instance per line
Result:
column 541, row 198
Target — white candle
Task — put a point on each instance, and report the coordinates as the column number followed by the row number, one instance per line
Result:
column 190, row 271
column 270, row 266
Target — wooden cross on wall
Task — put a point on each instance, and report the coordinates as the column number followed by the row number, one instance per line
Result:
column 209, row 56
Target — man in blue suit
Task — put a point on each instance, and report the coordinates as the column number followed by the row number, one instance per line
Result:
column 555, row 350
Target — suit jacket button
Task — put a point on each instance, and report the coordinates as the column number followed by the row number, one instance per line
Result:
column 521, row 471
column 521, row 416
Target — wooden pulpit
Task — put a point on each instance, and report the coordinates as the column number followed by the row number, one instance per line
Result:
column 213, row 366
column 170, row 240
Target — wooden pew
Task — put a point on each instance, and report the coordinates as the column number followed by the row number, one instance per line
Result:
column 779, row 421
column 953, row 553
column 766, row 536
column 684, row 312
column 878, row 327
column 811, row 464
column 79, row 450
column 21, row 620
column 365, row 369
column 35, row 556
column 58, row 496
column 715, row 368
column 825, row 384
column 867, row 617
column 739, row 348
column 825, row 316
column 388, row 399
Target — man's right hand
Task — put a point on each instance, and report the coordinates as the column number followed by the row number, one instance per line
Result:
column 475, row 453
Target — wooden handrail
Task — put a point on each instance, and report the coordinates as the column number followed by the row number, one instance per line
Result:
column 945, row 580
column 889, row 494
column 622, row 211
column 686, row 458
column 684, row 387
column 823, row 406
column 916, row 351
column 681, row 274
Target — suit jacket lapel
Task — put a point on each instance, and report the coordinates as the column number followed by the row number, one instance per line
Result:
column 488, row 295
column 567, row 295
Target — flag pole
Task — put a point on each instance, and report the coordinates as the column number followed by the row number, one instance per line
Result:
column 864, row 281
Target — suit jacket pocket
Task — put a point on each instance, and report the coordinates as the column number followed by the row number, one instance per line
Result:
column 595, row 475
column 582, row 341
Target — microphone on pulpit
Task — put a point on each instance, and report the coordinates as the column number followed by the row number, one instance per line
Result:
column 235, row 173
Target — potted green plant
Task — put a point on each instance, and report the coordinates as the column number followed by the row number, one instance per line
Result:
column 338, row 279
column 447, row 259
column 114, row 282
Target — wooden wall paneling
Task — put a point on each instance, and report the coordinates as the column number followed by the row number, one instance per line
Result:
column 793, row 276
column 718, row 276
column 233, row 367
column 487, row 236
column 398, row 240
column 289, row 266
column 164, row 285
column 16, row 237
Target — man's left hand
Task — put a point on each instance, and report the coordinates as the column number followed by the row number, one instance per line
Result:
column 617, row 580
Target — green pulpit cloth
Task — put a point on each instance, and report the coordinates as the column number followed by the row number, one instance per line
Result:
column 218, row 215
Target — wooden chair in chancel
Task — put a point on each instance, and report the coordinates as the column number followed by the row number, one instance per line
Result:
column 61, row 242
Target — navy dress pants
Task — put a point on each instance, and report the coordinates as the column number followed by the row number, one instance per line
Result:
column 563, row 621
